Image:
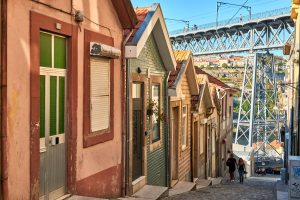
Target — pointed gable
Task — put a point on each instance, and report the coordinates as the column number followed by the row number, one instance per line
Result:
column 151, row 21
column 185, row 66
column 204, row 96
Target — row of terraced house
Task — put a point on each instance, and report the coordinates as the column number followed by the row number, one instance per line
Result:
column 95, row 102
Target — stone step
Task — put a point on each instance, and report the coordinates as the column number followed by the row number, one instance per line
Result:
column 150, row 192
column 202, row 183
column 76, row 197
column 181, row 187
column 216, row 181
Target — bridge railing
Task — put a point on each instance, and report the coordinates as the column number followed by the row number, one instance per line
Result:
column 257, row 16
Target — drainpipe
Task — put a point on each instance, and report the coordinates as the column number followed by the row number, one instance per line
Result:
column 125, row 117
column 3, row 101
column 167, row 135
column 191, row 147
column 292, row 142
column 297, row 150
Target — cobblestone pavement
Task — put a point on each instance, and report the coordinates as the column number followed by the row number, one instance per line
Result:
column 254, row 188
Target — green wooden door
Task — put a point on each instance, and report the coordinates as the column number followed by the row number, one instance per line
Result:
column 53, row 70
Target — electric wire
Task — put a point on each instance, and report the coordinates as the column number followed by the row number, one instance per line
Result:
column 237, row 12
column 228, row 8
column 52, row 7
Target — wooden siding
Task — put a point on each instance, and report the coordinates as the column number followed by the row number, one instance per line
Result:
column 184, row 153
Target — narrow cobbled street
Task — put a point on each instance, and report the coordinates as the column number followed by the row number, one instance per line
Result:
column 254, row 188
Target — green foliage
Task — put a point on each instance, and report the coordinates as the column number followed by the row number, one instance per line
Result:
column 246, row 105
column 224, row 65
column 154, row 109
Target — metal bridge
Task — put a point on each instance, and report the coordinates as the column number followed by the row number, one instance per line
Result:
column 268, row 30
column 258, row 121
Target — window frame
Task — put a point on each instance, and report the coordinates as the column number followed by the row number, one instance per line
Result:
column 225, row 106
column 184, row 145
column 202, row 138
column 156, row 80
column 159, row 100
column 93, row 138
column 105, row 129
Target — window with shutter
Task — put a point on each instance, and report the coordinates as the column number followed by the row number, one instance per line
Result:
column 99, row 93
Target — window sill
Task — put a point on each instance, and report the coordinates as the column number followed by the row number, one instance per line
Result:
column 184, row 147
column 94, row 139
column 155, row 145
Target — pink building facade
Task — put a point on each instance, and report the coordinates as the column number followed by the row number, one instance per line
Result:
column 60, row 134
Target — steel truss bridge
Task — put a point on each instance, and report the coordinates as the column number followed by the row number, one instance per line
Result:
column 258, row 121
column 268, row 30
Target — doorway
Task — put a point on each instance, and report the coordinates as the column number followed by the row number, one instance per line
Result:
column 137, row 129
column 209, row 152
column 53, row 71
column 174, row 132
column 196, row 152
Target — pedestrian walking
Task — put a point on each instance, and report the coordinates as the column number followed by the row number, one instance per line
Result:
column 231, row 163
column 241, row 168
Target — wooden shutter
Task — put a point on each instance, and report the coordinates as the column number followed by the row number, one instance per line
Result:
column 99, row 93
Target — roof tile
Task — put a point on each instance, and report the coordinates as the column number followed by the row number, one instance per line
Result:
column 174, row 74
column 181, row 55
column 141, row 14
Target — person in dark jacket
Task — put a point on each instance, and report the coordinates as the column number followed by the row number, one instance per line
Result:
column 231, row 163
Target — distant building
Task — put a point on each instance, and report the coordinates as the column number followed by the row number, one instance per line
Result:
column 292, row 81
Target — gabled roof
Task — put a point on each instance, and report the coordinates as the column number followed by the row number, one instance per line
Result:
column 204, row 95
column 151, row 21
column 173, row 78
column 212, row 80
column 125, row 13
column 184, row 65
column 214, row 96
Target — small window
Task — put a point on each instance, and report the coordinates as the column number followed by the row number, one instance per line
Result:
column 155, row 122
column 201, row 140
column 213, row 141
column 184, row 126
column 99, row 94
column 225, row 106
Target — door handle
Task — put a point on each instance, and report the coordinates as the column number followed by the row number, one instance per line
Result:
column 54, row 140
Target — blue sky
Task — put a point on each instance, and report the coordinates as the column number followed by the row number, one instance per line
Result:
column 204, row 11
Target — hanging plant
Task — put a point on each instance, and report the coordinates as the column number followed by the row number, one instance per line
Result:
column 150, row 108
column 153, row 109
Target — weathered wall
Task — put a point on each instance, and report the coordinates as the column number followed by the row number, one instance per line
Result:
column 90, row 161
column 18, row 92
